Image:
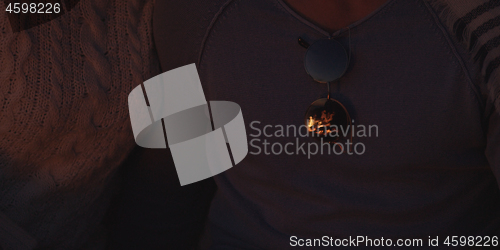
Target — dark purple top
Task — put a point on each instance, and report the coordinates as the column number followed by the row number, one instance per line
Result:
column 425, row 174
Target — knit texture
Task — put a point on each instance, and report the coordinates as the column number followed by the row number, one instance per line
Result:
column 64, row 124
column 477, row 25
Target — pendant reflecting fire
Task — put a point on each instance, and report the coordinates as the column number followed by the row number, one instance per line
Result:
column 325, row 117
column 323, row 124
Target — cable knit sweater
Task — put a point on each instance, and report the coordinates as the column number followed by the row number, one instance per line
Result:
column 64, row 125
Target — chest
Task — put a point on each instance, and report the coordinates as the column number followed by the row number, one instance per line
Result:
column 403, row 78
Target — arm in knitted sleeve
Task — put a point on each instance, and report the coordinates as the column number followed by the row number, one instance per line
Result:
column 11, row 235
column 476, row 24
column 63, row 118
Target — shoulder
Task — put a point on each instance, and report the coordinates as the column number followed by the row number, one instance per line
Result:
column 476, row 25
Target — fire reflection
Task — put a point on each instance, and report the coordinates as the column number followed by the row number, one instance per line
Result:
column 322, row 126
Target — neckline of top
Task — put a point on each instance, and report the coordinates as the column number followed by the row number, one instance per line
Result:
column 337, row 32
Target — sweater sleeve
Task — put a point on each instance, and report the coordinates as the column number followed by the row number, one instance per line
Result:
column 476, row 24
column 64, row 123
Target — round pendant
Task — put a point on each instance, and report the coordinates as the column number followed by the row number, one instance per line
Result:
column 326, row 60
column 328, row 119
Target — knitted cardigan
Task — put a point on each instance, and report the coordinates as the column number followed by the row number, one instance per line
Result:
column 64, row 125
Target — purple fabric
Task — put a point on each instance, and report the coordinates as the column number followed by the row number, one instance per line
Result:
column 426, row 174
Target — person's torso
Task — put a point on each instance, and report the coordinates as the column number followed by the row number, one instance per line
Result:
column 423, row 171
